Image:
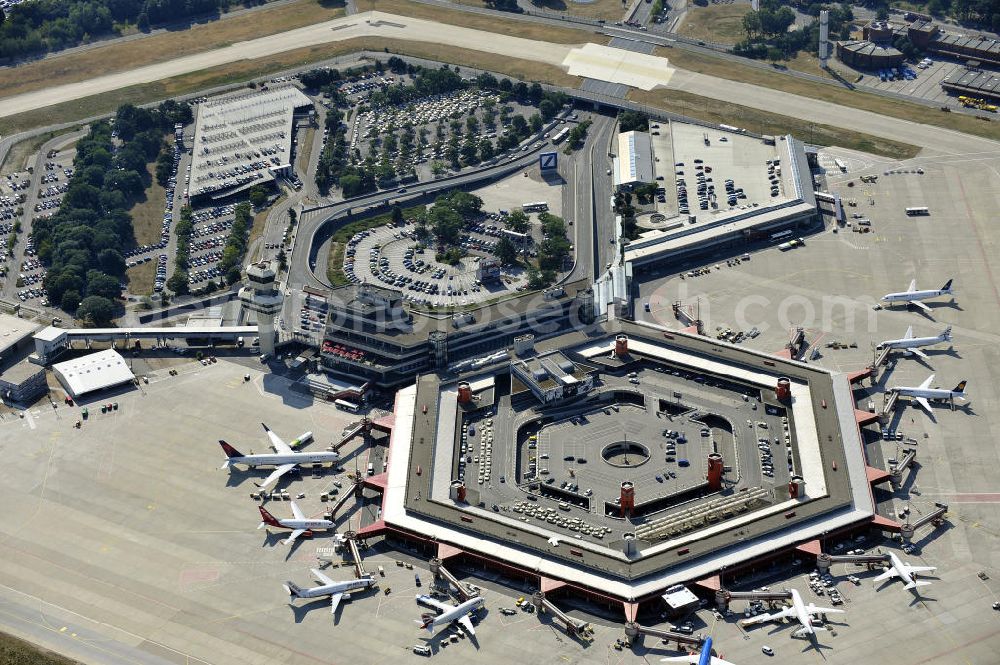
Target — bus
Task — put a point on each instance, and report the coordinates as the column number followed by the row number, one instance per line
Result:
column 344, row 405
column 920, row 210
column 541, row 206
column 840, row 165
column 560, row 135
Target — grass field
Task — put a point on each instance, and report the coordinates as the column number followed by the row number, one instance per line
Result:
column 764, row 122
column 715, row 23
column 734, row 71
column 18, row 652
column 135, row 53
column 305, row 149
column 490, row 23
column 609, row 10
column 335, row 262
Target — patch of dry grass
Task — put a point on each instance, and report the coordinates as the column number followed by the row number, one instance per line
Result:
column 715, row 23
column 124, row 56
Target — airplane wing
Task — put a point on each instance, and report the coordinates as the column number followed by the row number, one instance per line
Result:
column 927, row 382
column 292, row 536
column 279, row 445
column 917, row 352
column 320, row 577
column 920, row 569
column 921, row 305
column 437, row 604
column 467, row 624
column 913, row 286
column 812, row 609
column 762, row 618
column 335, row 601
column 277, row 473
column 909, row 333
column 888, row 573
column 296, row 512
column 922, row 401
column 694, row 659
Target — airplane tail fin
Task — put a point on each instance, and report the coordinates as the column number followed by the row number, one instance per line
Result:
column 267, row 518
column 230, row 454
column 960, row 388
column 947, row 286
column 293, row 589
column 946, row 335
column 426, row 621
column 914, row 584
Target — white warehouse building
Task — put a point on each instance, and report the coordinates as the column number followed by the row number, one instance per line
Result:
column 634, row 163
column 97, row 371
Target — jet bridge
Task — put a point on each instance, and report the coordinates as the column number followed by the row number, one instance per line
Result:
column 574, row 627
column 825, row 561
column 351, row 538
column 634, row 630
column 935, row 517
column 439, row 571
column 723, row 596
column 896, row 471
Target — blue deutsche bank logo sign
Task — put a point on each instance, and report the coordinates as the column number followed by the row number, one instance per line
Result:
column 548, row 161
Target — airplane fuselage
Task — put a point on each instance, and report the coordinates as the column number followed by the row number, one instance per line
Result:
column 337, row 587
column 910, row 296
column 911, row 343
column 276, row 459
column 928, row 393
column 900, row 569
column 800, row 612
column 306, row 524
column 446, row 618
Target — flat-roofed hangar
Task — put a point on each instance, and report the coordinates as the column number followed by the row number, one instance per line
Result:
column 830, row 491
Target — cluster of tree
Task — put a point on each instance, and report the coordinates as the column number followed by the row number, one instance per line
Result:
column 236, row 243
column 334, row 168
column 555, row 247
column 632, row 121
column 84, row 242
column 624, row 207
column 769, row 36
column 40, row 26
column 447, row 217
column 505, row 6
column 179, row 282
column 577, row 135
column 426, row 82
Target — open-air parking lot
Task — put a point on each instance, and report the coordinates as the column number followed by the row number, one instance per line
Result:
column 211, row 228
column 921, row 79
column 397, row 259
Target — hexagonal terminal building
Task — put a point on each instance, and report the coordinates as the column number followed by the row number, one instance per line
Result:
column 620, row 460
column 261, row 296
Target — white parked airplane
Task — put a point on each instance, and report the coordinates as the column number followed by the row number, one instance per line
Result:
column 704, row 657
column 284, row 459
column 449, row 613
column 299, row 524
column 922, row 393
column 909, row 344
column 913, row 296
column 799, row 611
column 904, row 572
column 327, row 587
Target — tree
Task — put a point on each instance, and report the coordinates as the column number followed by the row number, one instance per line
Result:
column 258, row 196
column 178, row 282
column 536, row 122
column 397, row 215
column 505, row 251
column 445, row 223
column 96, row 310
column 142, row 22
column 548, row 109
column 632, row 121
column 518, row 221
column 70, row 301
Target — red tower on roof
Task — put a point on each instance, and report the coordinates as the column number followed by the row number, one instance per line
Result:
column 627, row 498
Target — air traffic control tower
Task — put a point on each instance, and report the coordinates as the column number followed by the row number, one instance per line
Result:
column 260, row 295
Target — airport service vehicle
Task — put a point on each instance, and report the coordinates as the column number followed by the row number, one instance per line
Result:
column 449, row 614
column 904, row 572
column 923, row 393
column 327, row 587
column 797, row 610
column 914, row 296
column 704, row 657
column 910, row 344
column 284, row 458
column 299, row 524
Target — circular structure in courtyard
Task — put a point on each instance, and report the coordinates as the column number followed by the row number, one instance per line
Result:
column 625, row 454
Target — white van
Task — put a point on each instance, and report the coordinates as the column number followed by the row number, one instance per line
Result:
column 422, row 650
